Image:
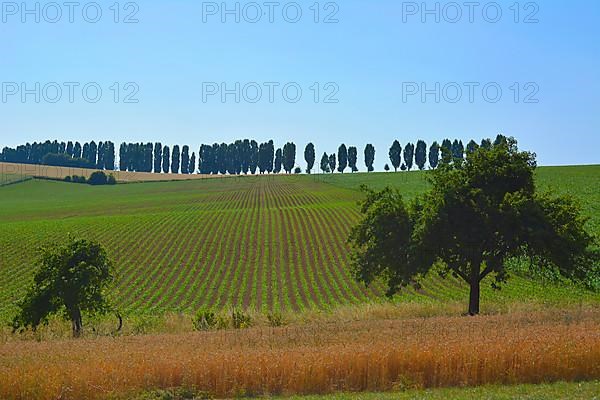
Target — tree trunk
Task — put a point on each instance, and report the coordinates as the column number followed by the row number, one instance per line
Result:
column 474, row 297
column 76, row 323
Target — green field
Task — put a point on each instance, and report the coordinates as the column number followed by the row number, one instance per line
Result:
column 9, row 179
column 266, row 243
column 572, row 391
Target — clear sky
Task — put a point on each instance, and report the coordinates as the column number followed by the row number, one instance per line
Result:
column 371, row 62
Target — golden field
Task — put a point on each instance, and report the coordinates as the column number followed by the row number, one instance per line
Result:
column 319, row 357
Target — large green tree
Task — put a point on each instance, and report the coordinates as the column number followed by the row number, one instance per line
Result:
column 480, row 214
column 71, row 279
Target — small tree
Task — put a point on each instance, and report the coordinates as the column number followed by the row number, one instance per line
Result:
column 332, row 162
column 409, row 153
column 458, row 150
column 71, row 279
column 192, row 169
column 253, row 159
column 386, row 168
column 278, row 161
column 309, row 157
column 342, row 158
column 185, row 159
column 289, row 157
column 166, row 159
column 434, row 155
column 98, row 178
column 446, row 150
column 395, row 154
column 479, row 215
column 109, row 156
column 157, row 157
column 175, row 160
column 369, row 157
column 486, row 144
column 352, row 158
column 421, row 154
column 100, row 159
column 472, row 146
column 500, row 139
column 325, row 163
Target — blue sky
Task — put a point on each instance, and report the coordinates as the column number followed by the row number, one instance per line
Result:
column 372, row 56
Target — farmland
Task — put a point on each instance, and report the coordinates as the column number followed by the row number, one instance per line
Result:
column 10, row 179
column 23, row 171
column 318, row 358
column 262, row 243
column 277, row 244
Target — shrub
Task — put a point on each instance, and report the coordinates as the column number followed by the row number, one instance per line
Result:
column 240, row 319
column 275, row 319
column 205, row 319
column 98, row 178
column 67, row 179
column 78, row 179
column 111, row 180
column 298, row 170
column 181, row 393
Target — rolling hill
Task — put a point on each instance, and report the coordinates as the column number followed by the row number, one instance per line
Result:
column 266, row 243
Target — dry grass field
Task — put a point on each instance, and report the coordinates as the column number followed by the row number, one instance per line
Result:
column 316, row 358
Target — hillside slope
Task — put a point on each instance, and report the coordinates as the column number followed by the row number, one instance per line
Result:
column 268, row 243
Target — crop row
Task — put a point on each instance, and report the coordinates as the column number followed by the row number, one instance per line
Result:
column 266, row 244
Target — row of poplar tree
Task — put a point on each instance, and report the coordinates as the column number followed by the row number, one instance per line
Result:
column 61, row 154
column 241, row 157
